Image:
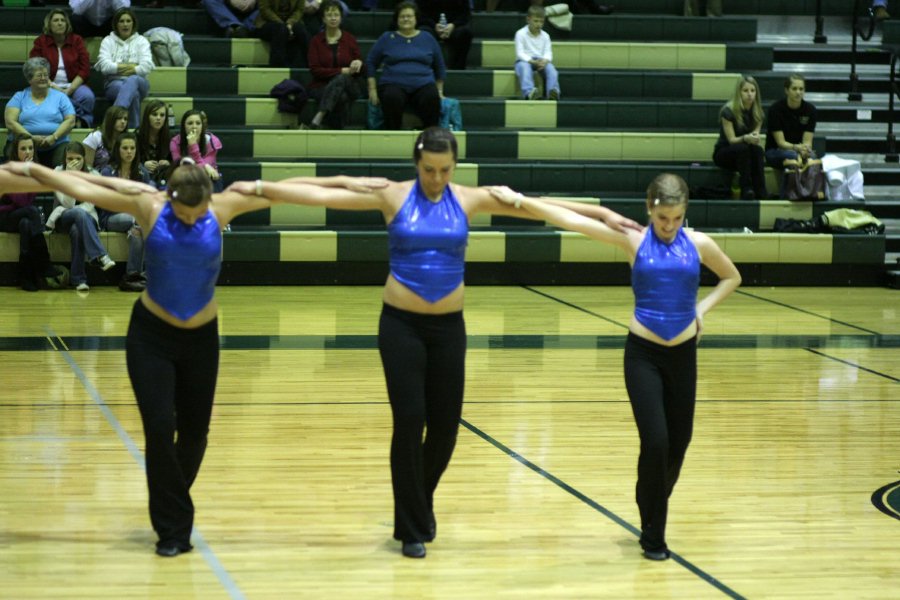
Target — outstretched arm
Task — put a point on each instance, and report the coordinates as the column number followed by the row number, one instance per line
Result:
column 72, row 184
column 11, row 182
column 487, row 201
column 356, row 184
column 563, row 217
column 310, row 194
column 612, row 219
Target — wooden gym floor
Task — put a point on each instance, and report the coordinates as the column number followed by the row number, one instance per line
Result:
column 796, row 445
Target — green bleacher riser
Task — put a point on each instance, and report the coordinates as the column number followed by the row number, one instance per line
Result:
column 528, row 145
column 481, row 113
column 501, row 82
column 744, row 7
column 493, row 54
column 537, row 245
column 487, row 25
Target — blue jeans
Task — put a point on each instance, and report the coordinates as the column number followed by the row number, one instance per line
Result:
column 225, row 17
column 525, row 71
column 122, row 222
column 877, row 3
column 128, row 93
column 86, row 244
column 83, row 100
column 775, row 158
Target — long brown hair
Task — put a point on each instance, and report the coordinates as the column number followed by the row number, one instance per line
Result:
column 115, row 158
column 108, row 132
column 143, row 132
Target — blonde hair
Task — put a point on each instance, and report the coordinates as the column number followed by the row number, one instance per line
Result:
column 737, row 107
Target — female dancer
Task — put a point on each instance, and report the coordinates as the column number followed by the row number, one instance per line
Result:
column 172, row 348
column 422, row 336
column 661, row 349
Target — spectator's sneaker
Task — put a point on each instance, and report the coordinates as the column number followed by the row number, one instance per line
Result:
column 532, row 95
column 881, row 13
column 133, row 282
column 554, row 94
column 82, row 287
column 105, row 262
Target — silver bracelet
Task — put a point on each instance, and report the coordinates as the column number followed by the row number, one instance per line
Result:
column 259, row 190
column 518, row 202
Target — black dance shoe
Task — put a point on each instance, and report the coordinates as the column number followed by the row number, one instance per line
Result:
column 657, row 554
column 170, row 549
column 411, row 549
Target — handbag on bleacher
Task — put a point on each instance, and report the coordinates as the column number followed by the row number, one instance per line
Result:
column 806, row 182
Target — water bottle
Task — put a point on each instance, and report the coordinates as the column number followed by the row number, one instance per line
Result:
column 171, row 117
column 442, row 23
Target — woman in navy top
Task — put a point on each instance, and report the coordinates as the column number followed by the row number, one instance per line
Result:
column 421, row 333
column 412, row 73
column 661, row 349
column 172, row 347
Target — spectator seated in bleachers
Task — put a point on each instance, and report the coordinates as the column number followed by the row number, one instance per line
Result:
column 125, row 61
column 280, row 22
column 70, row 74
column 456, row 35
column 126, row 163
column 413, row 71
column 236, row 18
column 91, row 18
column 153, row 141
column 99, row 143
column 81, row 222
column 534, row 53
column 338, row 71
column 43, row 114
column 791, row 126
column 18, row 213
column 195, row 142
column 738, row 147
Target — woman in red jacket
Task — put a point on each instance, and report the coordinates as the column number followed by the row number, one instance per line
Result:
column 59, row 41
column 337, row 68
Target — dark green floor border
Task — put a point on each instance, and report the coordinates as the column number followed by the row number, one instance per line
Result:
column 475, row 342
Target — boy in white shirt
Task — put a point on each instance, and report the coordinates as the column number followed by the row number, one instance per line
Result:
column 534, row 53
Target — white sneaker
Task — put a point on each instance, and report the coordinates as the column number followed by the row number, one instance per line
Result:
column 106, row 263
column 82, row 287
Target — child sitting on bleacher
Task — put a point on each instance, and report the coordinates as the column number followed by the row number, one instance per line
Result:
column 535, row 53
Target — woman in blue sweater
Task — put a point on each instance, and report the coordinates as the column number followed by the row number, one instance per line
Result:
column 412, row 71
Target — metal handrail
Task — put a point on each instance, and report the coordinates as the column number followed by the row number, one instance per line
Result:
column 892, row 155
column 819, row 36
column 855, row 95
